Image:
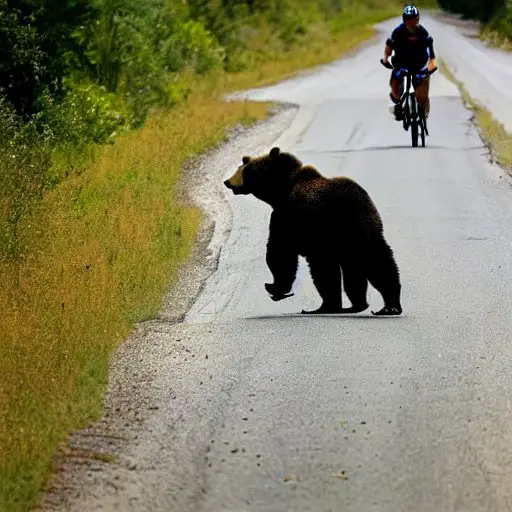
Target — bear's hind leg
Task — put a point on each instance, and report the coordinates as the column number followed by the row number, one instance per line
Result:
column 326, row 275
column 355, row 284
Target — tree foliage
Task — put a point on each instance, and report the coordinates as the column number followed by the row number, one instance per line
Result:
column 36, row 39
column 133, row 49
column 496, row 13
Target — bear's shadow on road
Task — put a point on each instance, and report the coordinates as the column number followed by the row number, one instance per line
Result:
column 287, row 316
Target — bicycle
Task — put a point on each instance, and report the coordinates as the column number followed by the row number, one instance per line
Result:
column 414, row 115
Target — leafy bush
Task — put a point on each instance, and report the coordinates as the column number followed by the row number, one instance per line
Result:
column 483, row 10
column 88, row 113
column 191, row 45
column 502, row 20
column 36, row 38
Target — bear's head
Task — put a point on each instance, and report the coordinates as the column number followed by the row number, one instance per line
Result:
column 268, row 177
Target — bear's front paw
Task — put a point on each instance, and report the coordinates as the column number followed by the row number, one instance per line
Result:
column 276, row 294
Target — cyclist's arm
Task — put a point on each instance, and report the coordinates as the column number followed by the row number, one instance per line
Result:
column 390, row 45
column 429, row 43
column 388, row 50
column 430, row 46
column 432, row 56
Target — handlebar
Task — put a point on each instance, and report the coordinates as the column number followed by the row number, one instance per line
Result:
column 406, row 71
column 386, row 64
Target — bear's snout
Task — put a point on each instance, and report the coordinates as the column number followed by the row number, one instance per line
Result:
column 236, row 182
column 237, row 189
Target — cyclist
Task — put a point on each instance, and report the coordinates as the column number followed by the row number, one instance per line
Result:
column 414, row 50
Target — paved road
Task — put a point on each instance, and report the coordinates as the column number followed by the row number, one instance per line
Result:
column 486, row 72
column 261, row 410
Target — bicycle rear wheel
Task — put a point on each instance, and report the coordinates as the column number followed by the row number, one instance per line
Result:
column 423, row 125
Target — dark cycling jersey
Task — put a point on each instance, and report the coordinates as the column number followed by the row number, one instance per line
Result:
column 411, row 48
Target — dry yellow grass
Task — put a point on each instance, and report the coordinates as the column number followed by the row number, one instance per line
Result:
column 102, row 248
column 496, row 136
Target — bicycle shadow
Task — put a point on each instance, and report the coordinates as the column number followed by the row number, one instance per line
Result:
column 395, row 147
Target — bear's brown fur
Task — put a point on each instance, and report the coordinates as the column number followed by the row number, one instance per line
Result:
column 332, row 222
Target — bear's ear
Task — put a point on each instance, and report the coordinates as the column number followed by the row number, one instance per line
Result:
column 246, row 160
column 274, row 152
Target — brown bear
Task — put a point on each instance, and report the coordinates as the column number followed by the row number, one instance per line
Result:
column 332, row 222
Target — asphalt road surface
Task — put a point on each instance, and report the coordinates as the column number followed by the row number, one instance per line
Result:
column 255, row 408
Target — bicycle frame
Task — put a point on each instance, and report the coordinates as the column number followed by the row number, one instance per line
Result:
column 414, row 116
column 408, row 100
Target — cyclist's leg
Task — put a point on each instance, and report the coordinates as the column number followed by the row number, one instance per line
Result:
column 395, row 95
column 394, row 82
column 422, row 92
column 396, row 90
column 422, row 95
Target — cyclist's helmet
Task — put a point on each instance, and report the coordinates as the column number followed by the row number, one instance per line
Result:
column 410, row 12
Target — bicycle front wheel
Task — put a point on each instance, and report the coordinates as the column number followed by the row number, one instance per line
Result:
column 413, row 108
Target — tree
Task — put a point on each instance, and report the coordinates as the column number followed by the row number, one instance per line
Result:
column 37, row 41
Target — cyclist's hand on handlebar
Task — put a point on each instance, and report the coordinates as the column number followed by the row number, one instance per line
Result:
column 432, row 65
column 385, row 62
